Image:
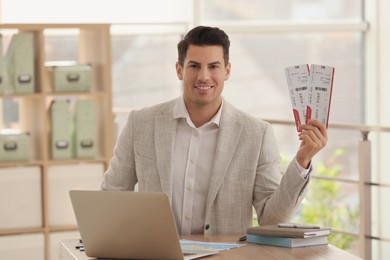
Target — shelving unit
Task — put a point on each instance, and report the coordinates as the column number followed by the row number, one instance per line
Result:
column 94, row 48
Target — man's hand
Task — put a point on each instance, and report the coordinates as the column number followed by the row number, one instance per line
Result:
column 314, row 137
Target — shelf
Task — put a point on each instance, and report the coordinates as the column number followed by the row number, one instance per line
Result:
column 53, row 178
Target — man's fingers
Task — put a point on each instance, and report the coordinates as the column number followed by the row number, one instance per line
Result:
column 315, row 133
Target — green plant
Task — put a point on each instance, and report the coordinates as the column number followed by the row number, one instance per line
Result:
column 323, row 203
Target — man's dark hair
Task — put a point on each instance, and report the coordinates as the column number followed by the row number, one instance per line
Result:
column 204, row 36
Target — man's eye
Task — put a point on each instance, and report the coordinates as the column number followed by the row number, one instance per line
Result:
column 194, row 66
column 215, row 66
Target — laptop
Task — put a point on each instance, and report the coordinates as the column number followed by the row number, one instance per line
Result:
column 127, row 225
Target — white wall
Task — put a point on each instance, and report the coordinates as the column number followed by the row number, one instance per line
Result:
column 377, row 98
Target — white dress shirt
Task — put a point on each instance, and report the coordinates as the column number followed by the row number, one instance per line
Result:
column 192, row 162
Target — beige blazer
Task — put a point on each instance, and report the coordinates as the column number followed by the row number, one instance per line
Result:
column 245, row 173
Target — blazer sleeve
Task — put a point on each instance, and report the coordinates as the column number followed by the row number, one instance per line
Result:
column 276, row 196
column 121, row 173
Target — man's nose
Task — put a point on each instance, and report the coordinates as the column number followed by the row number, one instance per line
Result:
column 203, row 74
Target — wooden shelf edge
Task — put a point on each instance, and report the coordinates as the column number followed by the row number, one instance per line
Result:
column 20, row 231
column 62, row 228
column 39, row 26
column 76, row 161
column 15, row 164
column 50, row 229
column 14, row 96
column 52, row 94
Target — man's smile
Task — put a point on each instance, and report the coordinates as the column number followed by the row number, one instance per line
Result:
column 202, row 87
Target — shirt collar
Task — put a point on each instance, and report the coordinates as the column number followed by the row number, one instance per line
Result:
column 180, row 111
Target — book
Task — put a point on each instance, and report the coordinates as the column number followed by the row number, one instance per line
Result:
column 295, row 231
column 288, row 241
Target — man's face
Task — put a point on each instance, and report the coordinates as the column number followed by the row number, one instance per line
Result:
column 203, row 75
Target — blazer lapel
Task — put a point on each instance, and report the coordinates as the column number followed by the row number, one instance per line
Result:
column 228, row 138
column 164, row 134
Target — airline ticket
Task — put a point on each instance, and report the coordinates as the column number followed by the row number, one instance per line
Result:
column 320, row 93
column 298, row 85
column 310, row 92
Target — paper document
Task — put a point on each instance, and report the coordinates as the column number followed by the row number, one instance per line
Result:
column 188, row 246
column 310, row 92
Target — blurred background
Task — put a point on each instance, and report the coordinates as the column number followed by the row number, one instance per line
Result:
column 266, row 36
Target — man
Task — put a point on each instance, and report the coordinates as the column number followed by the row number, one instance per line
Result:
column 214, row 161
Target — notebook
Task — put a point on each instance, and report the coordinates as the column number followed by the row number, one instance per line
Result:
column 127, row 225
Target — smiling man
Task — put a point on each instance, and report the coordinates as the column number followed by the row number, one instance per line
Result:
column 203, row 71
column 214, row 161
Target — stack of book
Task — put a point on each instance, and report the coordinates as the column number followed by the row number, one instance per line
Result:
column 289, row 235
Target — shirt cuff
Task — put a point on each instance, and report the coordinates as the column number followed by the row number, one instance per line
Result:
column 302, row 171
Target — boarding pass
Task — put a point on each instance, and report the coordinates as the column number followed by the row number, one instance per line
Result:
column 310, row 90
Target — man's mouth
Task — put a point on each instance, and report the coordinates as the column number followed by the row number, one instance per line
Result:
column 203, row 87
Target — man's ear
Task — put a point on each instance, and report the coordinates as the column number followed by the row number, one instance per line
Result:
column 228, row 68
column 179, row 71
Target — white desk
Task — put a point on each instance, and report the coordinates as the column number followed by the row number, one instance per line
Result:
column 68, row 251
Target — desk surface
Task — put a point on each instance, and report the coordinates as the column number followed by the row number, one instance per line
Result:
column 67, row 250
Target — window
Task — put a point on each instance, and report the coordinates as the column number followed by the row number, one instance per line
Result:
column 279, row 10
column 266, row 36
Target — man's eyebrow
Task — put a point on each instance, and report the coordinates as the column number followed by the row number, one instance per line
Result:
column 198, row 63
column 215, row 63
column 194, row 62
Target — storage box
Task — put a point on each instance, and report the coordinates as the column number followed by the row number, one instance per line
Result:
column 20, row 62
column 63, row 178
column 27, row 246
column 20, row 198
column 85, row 129
column 2, row 78
column 61, row 129
column 70, row 76
column 15, row 146
column 2, row 68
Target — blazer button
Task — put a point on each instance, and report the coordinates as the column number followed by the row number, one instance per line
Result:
column 207, row 226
